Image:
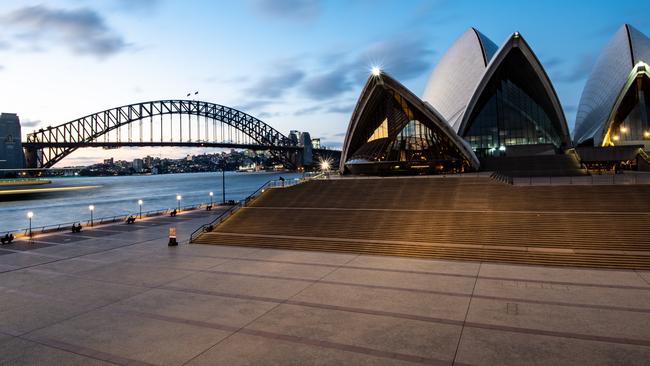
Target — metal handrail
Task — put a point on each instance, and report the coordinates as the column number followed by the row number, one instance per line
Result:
column 273, row 183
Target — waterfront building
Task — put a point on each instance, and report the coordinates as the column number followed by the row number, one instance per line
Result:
column 393, row 131
column 615, row 103
column 11, row 149
column 514, row 104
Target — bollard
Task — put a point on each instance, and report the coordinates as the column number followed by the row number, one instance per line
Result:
column 172, row 237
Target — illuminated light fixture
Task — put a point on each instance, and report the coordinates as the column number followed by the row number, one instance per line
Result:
column 623, row 129
column 375, row 71
column 615, row 138
column 324, row 165
column 516, row 35
column 91, row 208
column 646, row 134
column 30, row 214
column 502, row 148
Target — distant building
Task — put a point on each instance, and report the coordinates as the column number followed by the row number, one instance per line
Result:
column 108, row 161
column 11, row 148
column 315, row 143
column 138, row 165
column 148, row 162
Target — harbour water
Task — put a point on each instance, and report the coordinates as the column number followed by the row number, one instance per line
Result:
column 119, row 196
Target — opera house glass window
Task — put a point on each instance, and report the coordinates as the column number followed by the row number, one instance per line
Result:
column 398, row 136
column 630, row 120
column 514, row 109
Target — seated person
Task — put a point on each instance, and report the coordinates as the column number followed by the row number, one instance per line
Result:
column 208, row 207
column 130, row 219
column 7, row 239
column 173, row 213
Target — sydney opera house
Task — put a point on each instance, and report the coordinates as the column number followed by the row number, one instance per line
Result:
column 489, row 107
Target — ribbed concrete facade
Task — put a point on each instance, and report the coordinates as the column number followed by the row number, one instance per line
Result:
column 456, row 75
column 627, row 48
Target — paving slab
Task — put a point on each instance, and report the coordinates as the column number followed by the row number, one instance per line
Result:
column 134, row 337
column 290, row 270
column 23, row 352
column 61, row 238
column 569, row 275
column 388, row 334
column 242, row 285
column 401, row 302
column 235, row 312
column 408, row 264
column 243, row 349
column 132, row 274
column 577, row 321
column 296, row 256
column 488, row 347
column 551, row 292
column 404, row 280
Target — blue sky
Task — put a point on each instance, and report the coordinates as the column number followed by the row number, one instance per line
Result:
column 296, row 64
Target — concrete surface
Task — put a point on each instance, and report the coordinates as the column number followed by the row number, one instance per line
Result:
column 120, row 295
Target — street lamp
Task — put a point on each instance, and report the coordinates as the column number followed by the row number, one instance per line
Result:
column 140, row 204
column 30, row 214
column 91, row 208
column 211, row 194
column 178, row 198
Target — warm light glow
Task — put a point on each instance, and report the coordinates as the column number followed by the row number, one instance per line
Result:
column 623, row 129
column 615, row 138
column 178, row 197
column 375, row 70
column 646, row 134
column 30, row 214
column 324, row 165
column 140, row 202
column 211, row 194
column 91, row 207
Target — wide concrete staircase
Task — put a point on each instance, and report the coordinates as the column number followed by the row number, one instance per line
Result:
column 451, row 218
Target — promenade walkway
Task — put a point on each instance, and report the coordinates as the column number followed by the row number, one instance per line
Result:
column 119, row 295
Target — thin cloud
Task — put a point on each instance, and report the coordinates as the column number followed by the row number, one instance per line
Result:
column 83, row 31
column 274, row 86
column 30, row 122
column 580, row 71
column 307, row 111
column 294, row 10
column 404, row 57
column 328, row 85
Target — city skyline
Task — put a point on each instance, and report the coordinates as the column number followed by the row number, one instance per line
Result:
column 66, row 59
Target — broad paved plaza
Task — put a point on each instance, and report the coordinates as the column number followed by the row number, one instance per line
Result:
column 119, row 295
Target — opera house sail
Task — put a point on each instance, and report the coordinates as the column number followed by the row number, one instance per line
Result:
column 615, row 103
column 393, row 131
column 514, row 104
column 456, row 75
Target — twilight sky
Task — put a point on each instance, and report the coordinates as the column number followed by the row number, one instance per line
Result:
column 296, row 64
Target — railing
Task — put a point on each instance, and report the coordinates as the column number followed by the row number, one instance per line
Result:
column 99, row 221
column 274, row 183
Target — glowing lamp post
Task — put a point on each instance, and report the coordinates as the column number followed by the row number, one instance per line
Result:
column 178, row 198
column 91, row 208
column 140, row 204
column 30, row 214
column 211, row 195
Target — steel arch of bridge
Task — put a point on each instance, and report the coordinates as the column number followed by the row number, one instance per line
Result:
column 58, row 142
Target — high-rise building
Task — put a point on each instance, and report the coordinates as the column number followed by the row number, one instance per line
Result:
column 11, row 149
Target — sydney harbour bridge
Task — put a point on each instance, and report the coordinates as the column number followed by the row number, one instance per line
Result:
column 181, row 123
